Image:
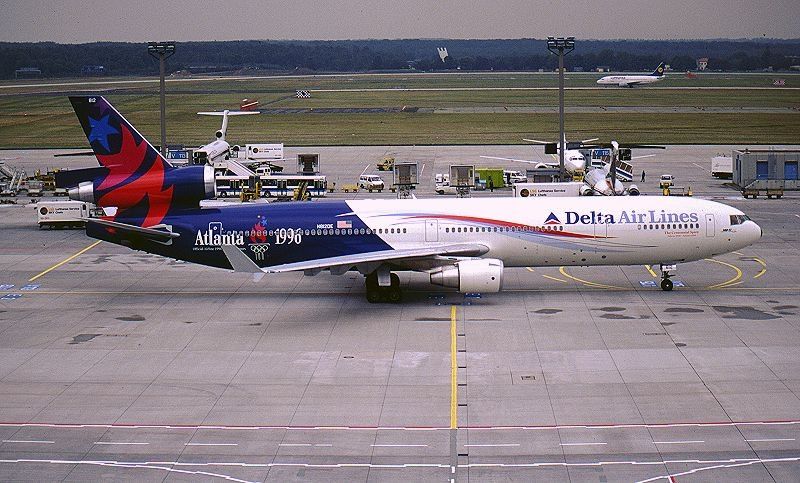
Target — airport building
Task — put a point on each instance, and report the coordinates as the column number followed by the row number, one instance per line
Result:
column 756, row 166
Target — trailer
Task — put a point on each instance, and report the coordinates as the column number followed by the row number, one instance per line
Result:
column 767, row 187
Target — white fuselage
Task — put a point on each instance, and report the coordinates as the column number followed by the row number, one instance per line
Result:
column 570, row 231
column 628, row 80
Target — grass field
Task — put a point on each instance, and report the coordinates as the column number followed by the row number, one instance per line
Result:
column 42, row 117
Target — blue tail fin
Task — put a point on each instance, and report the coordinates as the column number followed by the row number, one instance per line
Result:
column 659, row 72
column 117, row 145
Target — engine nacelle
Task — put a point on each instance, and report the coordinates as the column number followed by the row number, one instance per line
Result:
column 633, row 190
column 479, row 275
column 178, row 187
column 213, row 151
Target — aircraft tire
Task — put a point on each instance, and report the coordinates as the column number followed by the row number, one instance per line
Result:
column 374, row 292
column 393, row 292
column 666, row 285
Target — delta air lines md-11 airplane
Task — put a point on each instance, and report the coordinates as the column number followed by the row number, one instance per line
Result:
column 461, row 243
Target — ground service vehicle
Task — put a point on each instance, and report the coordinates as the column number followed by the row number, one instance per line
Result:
column 722, row 167
column 571, row 188
column 370, row 182
column 63, row 214
column 386, row 164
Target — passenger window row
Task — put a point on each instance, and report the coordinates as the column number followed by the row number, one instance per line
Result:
column 669, row 226
column 347, row 231
column 483, row 229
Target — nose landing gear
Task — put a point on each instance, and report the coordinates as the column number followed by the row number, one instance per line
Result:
column 666, row 283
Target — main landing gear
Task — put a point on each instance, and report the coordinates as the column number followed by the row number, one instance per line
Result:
column 666, row 283
column 383, row 286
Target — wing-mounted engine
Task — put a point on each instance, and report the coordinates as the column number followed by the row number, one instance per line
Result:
column 475, row 275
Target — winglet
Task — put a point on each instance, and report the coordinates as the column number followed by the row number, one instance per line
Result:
column 239, row 261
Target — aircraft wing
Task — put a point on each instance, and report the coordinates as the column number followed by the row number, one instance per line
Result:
column 513, row 159
column 242, row 263
column 157, row 233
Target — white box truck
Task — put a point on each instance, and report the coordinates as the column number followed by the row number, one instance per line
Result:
column 63, row 214
column 272, row 152
column 722, row 167
column 570, row 188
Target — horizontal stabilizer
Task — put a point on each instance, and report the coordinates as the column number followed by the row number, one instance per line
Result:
column 228, row 113
column 157, row 233
column 74, row 177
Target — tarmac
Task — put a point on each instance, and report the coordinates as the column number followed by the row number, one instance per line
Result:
column 122, row 365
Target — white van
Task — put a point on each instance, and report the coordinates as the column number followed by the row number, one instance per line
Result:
column 370, row 182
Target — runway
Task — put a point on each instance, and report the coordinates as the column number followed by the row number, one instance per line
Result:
column 118, row 364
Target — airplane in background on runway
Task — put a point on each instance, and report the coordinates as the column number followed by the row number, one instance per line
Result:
column 633, row 80
column 460, row 243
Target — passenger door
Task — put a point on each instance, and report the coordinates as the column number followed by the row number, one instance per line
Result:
column 710, row 228
column 432, row 230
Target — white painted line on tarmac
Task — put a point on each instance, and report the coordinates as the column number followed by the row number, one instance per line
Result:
column 131, row 465
column 29, row 441
column 399, row 445
column 328, row 445
column 211, row 444
column 581, row 444
column 498, row 445
column 120, row 443
column 769, row 440
column 174, row 466
column 678, row 442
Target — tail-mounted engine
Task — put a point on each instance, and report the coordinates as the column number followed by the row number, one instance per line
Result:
column 177, row 187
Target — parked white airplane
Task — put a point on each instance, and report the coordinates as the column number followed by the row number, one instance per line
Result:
column 573, row 159
column 219, row 147
column 633, row 80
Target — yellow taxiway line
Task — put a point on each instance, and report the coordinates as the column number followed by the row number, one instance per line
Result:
column 555, row 278
column 732, row 281
column 585, row 282
column 650, row 269
column 66, row 260
column 453, row 371
column 763, row 266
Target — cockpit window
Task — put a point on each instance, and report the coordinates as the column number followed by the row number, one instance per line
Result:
column 738, row 219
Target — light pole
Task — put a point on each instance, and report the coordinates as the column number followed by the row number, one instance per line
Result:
column 561, row 46
column 162, row 50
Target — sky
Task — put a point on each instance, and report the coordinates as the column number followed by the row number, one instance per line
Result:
column 75, row 21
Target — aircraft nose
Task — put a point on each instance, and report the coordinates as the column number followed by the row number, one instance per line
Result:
column 755, row 232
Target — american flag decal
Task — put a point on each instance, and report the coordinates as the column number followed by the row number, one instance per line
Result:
column 344, row 224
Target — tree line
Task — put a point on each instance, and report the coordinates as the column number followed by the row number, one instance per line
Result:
column 122, row 59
